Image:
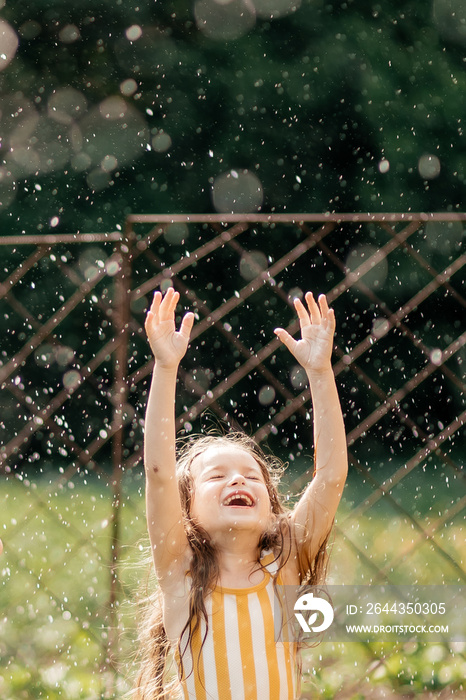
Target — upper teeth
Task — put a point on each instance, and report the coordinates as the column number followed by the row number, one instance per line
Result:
column 236, row 496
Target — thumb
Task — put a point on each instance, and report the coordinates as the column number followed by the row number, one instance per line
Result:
column 187, row 324
column 286, row 339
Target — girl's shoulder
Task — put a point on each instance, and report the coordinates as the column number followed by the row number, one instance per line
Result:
column 270, row 560
column 282, row 566
column 175, row 601
column 174, row 582
column 286, row 553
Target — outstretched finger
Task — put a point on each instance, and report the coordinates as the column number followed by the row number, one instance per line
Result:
column 328, row 315
column 314, row 310
column 187, row 324
column 168, row 305
column 323, row 305
column 174, row 301
column 154, row 308
column 153, row 311
column 286, row 339
column 303, row 315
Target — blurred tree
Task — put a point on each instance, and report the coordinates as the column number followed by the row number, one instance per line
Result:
column 113, row 107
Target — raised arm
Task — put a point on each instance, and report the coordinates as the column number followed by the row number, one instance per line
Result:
column 163, row 508
column 315, row 511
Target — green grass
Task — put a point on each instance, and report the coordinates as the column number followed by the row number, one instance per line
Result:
column 54, row 583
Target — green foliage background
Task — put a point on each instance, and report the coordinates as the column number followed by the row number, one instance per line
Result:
column 332, row 107
column 53, row 636
column 311, row 102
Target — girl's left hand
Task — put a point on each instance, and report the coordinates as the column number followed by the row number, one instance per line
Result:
column 317, row 322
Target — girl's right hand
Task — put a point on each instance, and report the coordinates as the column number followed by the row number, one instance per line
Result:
column 167, row 344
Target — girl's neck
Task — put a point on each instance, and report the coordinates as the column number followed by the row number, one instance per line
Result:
column 238, row 564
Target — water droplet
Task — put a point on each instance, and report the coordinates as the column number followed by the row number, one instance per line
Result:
column 436, row 356
column 384, row 166
column 266, row 395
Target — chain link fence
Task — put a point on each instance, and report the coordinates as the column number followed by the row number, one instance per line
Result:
column 74, row 376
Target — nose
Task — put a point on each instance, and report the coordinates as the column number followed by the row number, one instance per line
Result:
column 237, row 479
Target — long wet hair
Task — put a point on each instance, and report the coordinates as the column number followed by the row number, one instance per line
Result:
column 154, row 646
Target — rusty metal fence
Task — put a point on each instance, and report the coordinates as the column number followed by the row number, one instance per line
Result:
column 75, row 366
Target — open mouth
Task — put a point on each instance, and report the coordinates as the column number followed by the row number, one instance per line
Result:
column 239, row 499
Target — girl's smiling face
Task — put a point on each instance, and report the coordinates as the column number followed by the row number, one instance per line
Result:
column 229, row 492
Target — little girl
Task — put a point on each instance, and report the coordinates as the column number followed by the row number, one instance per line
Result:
column 221, row 539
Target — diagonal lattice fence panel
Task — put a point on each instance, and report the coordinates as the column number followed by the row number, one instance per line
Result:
column 76, row 367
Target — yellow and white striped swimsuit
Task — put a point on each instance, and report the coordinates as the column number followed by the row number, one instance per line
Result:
column 240, row 659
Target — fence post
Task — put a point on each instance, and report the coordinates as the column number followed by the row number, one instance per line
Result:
column 120, row 320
